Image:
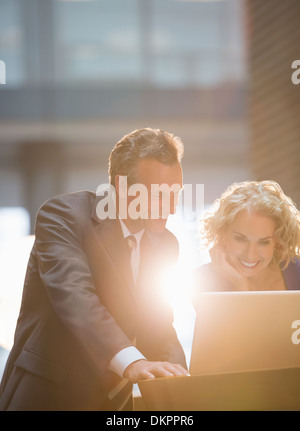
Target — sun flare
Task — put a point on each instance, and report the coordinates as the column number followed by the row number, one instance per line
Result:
column 176, row 288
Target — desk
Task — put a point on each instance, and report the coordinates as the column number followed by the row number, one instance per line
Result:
column 277, row 389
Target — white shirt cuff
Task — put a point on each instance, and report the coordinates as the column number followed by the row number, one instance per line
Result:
column 122, row 359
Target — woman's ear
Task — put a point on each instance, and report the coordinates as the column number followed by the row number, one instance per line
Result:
column 221, row 241
column 278, row 253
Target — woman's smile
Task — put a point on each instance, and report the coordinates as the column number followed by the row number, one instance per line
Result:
column 249, row 242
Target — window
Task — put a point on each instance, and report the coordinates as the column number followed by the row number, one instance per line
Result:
column 11, row 42
column 15, row 246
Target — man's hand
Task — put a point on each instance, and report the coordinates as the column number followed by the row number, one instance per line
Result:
column 144, row 370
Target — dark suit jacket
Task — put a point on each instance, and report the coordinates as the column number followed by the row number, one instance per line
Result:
column 80, row 307
column 214, row 282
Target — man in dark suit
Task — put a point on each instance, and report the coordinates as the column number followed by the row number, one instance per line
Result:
column 92, row 320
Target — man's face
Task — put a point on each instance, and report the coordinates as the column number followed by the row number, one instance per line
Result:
column 161, row 202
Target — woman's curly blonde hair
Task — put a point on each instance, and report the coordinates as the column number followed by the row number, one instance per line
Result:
column 265, row 198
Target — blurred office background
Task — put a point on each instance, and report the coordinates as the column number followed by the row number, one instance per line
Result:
column 81, row 74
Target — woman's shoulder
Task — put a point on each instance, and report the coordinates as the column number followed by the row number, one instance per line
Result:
column 291, row 275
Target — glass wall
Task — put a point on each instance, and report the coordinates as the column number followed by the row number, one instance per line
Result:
column 162, row 43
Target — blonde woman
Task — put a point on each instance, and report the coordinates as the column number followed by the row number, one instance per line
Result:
column 253, row 234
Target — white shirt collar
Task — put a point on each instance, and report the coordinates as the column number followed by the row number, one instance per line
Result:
column 126, row 232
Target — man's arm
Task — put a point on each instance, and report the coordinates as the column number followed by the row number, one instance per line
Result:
column 68, row 281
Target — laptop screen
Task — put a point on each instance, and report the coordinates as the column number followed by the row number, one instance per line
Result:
column 244, row 331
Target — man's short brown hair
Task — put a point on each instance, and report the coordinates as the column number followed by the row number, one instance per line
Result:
column 141, row 144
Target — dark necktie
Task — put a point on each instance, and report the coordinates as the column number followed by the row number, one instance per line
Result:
column 131, row 242
column 132, row 245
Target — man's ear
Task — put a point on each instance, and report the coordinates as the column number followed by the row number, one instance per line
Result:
column 117, row 184
column 121, row 186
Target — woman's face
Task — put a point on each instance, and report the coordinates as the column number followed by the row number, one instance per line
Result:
column 249, row 242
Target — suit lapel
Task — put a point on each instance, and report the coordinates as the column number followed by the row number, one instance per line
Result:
column 111, row 242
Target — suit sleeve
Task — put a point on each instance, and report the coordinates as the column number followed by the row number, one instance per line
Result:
column 69, row 285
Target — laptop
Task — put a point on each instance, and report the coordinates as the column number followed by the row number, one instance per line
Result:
column 245, row 331
column 245, row 356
